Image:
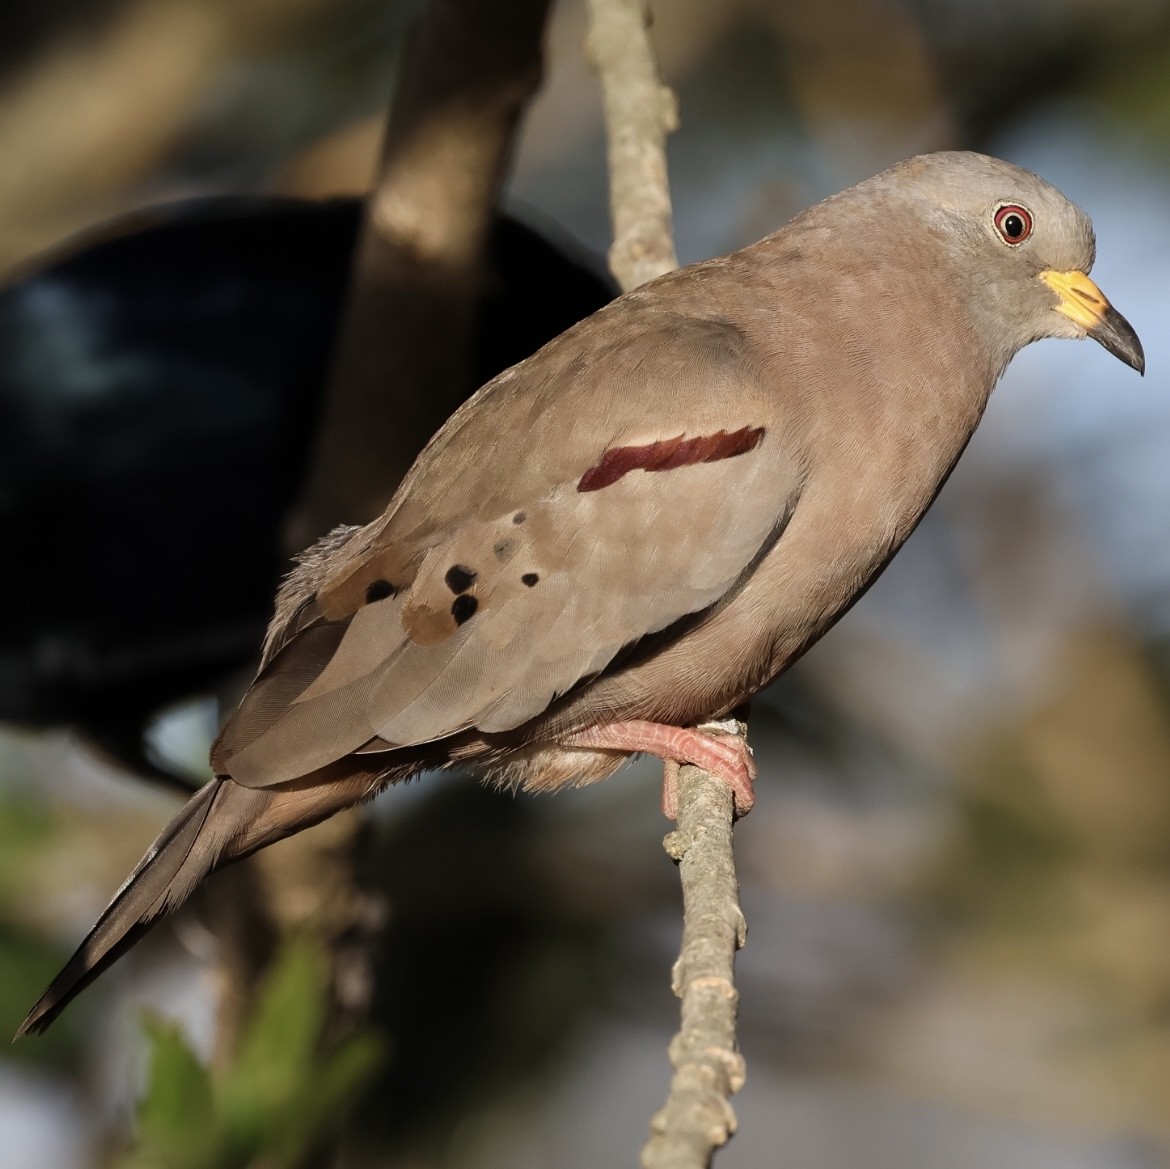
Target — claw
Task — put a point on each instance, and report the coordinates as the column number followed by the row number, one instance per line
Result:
column 725, row 755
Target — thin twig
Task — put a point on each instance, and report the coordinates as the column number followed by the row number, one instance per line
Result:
column 697, row 1117
column 639, row 113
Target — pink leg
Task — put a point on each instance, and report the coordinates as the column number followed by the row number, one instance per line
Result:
column 670, row 770
column 727, row 756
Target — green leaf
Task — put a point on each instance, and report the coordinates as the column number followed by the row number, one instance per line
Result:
column 336, row 1090
column 275, row 1063
column 176, row 1122
column 282, row 1095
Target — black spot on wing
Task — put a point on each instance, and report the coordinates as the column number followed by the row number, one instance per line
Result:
column 529, row 579
column 463, row 608
column 460, row 578
column 379, row 590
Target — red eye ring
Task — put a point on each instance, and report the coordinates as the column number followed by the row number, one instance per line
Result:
column 1014, row 223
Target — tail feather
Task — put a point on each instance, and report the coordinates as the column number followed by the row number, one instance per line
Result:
column 222, row 822
column 169, row 870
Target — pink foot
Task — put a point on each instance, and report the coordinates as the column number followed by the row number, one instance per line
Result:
column 727, row 756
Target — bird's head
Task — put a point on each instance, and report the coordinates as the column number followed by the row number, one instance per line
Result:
column 1017, row 249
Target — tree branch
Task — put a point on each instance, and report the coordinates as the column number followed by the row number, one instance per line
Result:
column 639, row 113
column 403, row 353
column 697, row 1117
column 400, row 369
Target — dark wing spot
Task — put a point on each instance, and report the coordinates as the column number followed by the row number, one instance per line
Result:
column 668, row 453
column 530, row 579
column 379, row 590
column 519, row 517
column 460, row 578
column 463, row 608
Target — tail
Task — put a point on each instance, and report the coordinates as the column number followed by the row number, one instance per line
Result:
column 222, row 822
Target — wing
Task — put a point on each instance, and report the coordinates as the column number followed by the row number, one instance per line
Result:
column 571, row 509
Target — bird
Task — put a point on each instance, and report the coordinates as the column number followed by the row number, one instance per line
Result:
column 195, row 326
column 639, row 527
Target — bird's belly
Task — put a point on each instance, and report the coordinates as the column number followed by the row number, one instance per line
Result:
column 812, row 576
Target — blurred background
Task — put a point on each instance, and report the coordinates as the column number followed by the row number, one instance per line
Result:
column 957, row 874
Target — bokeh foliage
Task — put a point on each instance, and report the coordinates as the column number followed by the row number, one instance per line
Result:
column 285, row 1090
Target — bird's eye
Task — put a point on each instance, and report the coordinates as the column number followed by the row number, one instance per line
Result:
column 1014, row 223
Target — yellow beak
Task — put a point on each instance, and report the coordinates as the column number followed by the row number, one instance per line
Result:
column 1079, row 299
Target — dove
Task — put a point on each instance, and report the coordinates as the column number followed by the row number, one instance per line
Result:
column 639, row 527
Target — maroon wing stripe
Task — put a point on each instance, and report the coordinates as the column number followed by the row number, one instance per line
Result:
column 668, row 453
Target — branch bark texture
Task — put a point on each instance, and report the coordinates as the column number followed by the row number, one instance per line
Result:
column 697, row 1117
column 639, row 113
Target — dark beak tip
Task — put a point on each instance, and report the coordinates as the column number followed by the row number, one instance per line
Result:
column 1135, row 361
column 1136, row 358
column 1117, row 336
column 1133, row 355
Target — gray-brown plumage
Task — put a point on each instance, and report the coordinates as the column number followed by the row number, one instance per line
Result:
column 639, row 527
